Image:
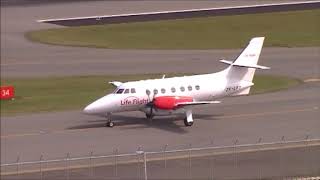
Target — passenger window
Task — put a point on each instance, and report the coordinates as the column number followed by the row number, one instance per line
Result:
column 173, row 89
column 126, row 91
column 133, row 90
column 182, row 89
column 120, row 91
column 155, row 91
column 197, row 87
column 163, row 91
column 190, row 88
column 148, row 92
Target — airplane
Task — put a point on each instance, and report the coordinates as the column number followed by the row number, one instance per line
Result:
column 167, row 96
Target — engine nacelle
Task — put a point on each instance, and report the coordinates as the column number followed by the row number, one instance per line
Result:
column 170, row 102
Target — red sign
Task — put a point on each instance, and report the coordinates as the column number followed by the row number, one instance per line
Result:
column 7, row 92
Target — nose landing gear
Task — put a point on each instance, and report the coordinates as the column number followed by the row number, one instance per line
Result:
column 186, row 123
column 110, row 124
column 109, row 121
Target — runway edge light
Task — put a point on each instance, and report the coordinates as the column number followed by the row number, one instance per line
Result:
column 7, row 92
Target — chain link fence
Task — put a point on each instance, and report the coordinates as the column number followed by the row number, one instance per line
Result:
column 276, row 160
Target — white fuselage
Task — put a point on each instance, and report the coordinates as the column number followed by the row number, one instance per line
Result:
column 137, row 94
column 168, row 95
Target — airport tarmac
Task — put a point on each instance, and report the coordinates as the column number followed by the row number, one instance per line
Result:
column 292, row 113
column 21, row 57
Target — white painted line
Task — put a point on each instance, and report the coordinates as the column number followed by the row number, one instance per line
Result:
column 312, row 80
column 177, row 11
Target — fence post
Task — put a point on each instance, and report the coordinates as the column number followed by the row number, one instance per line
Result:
column 139, row 152
column 235, row 154
column 281, row 158
column 190, row 165
column 164, row 156
column 41, row 174
column 18, row 160
column 306, row 152
column 260, row 167
column 165, row 160
column 91, row 165
column 145, row 165
column 67, row 166
column 212, row 162
column 116, row 162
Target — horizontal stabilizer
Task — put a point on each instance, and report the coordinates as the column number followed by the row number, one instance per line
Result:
column 244, row 65
column 226, row 61
column 115, row 83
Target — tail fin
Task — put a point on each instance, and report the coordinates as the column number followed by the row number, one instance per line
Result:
column 243, row 68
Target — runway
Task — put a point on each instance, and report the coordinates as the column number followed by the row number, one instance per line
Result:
column 20, row 57
column 292, row 113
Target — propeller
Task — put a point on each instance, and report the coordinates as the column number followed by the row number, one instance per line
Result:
column 150, row 104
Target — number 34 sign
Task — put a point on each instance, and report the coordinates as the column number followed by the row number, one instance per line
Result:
column 7, row 92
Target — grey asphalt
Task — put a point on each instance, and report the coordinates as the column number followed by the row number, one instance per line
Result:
column 292, row 113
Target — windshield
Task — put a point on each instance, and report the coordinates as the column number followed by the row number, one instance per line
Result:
column 119, row 91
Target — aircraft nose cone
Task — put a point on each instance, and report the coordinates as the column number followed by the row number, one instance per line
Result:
column 99, row 107
column 94, row 108
column 90, row 109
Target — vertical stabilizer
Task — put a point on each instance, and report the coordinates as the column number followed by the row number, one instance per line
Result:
column 250, row 55
column 245, row 65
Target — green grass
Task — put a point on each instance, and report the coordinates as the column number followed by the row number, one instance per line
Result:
column 268, row 83
column 285, row 29
column 68, row 93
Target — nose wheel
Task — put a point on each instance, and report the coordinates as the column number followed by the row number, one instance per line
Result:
column 110, row 124
column 109, row 121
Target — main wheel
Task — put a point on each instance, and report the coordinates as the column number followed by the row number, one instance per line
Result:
column 110, row 124
column 186, row 123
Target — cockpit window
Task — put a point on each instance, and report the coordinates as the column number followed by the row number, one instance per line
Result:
column 133, row 90
column 126, row 91
column 119, row 91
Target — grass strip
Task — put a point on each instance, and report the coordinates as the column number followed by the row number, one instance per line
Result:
column 34, row 95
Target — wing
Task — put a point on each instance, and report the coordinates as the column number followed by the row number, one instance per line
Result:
column 184, row 104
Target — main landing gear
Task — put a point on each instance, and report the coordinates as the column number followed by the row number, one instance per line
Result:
column 149, row 115
column 186, row 123
column 109, row 121
column 188, row 120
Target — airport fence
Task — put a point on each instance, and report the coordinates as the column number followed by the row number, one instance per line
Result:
column 273, row 160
